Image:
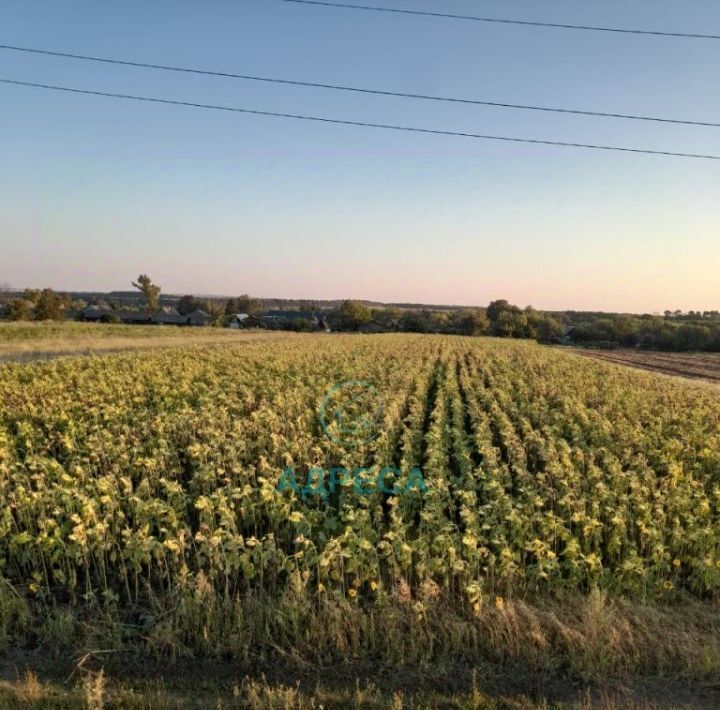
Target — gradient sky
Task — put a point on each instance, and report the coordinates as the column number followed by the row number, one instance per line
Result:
column 96, row 190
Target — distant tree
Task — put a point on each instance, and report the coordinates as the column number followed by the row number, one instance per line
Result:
column 20, row 309
column 350, row 315
column 32, row 295
column 533, row 321
column 714, row 344
column 50, row 305
column 5, row 293
column 438, row 321
column 309, row 306
column 216, row 309
column 692, row 337
column 474, row 322
column 508, row 321
column 510, row 324
column 496, row 308
column 251, row 306
column 626, row 330
column 150, row 290
column 550, row 329
column 243, row 304
column 212, row 306
column 387, row 318
column 663, row 340
column 187, row 304
column 414, row 322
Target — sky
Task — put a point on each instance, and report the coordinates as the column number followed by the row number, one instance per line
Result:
column 96, row 190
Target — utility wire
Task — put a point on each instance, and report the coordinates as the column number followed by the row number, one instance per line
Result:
column 526, row 23
column 364, row 124
column 355, row 89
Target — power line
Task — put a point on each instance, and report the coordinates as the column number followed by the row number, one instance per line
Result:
column 526, row 23
column 363, row 124
column 355, row 89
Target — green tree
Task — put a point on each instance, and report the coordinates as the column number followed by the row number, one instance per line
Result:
column 510, row 324
column 474, row 322
column 692, row 337
column 496, row 308
column 243, row 304
column 550, row 329
column 216, row 309
column 388, row 318
column 533, row 319
column 187, row 304
column 414, row 322
column 150, row 290
column 50, row 305
column 308, row 306
column 350, row 315
column 20, row 309
column 32, row 295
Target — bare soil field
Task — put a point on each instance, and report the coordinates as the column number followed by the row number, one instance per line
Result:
column 701, row 366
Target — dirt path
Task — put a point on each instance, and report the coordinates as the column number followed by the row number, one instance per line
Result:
column 205, row 684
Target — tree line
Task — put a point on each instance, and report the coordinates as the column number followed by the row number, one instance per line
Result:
column 671, row 331
column 500, row 319
column 700, row 332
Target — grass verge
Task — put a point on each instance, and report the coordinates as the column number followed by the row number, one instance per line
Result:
column 401, row 651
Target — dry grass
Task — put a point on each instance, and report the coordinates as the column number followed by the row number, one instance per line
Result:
column 587, row 637
column 249, row 694
column 262, row 694
column 582, row 651
column 72, row 330
column 24, row 342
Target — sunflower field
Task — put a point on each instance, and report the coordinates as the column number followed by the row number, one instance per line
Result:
column 123, row 477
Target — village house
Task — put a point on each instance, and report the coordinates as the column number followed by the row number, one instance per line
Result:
column 239, row 320
column 199, row 318
column 288, row 319
column 165, row 316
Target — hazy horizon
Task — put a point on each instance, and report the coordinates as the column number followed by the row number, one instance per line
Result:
column 97, row 190
column 260, row 297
